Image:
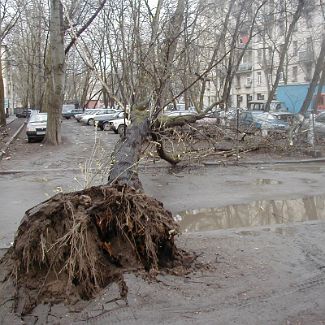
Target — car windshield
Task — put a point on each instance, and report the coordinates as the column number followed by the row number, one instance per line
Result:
column 67, row 108
column 36, row 118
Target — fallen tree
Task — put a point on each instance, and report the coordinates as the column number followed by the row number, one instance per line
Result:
column 73, row 245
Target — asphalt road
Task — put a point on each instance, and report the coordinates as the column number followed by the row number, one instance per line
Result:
column 31, row 172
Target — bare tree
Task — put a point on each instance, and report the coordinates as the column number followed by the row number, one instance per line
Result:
column 8, row 18
column 283, row 51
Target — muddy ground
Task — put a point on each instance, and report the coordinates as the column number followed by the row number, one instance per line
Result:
column 260, row 271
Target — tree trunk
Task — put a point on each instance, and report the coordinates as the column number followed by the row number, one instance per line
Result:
column 284, row 50
column 56, row 75
column 2, row 99
column 128, row 151
column 316, row 76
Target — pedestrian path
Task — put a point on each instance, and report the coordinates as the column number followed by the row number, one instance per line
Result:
column 10, row 132
column 10, row 119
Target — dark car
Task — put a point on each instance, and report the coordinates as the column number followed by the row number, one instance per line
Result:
column 104, row 124
column 284, row 116
column 261, row 121
column 70, row 110
column 23, row 113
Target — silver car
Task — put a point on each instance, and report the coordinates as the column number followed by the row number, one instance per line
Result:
column 36, row 127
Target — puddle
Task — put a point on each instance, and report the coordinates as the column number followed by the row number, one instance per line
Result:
column 256, row 213
column 267, row 181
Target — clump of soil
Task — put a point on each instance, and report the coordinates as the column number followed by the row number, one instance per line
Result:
column 71, row 246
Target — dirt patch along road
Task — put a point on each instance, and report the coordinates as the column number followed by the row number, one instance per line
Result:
column 270, row 274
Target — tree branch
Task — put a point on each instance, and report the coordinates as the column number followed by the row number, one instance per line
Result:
column 84, row 27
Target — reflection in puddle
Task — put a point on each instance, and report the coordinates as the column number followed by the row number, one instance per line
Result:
column 267, row 181
column 257, row 213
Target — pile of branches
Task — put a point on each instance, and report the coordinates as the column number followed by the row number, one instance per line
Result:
column 71, row 246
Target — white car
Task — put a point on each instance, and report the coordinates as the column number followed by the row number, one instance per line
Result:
column 78, row 117
column 108, row 115
column 89, row 119
column 180, row 113
column 119, row 125
column 36, row 127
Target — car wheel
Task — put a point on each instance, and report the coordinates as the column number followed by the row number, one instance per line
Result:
column 106, row 126
column 120, row 129
column 91, row 122
column 29, row 140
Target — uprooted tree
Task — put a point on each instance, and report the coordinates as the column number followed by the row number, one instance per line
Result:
column 72, row 245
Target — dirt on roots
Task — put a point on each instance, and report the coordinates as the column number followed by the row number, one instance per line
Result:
column 71, row 246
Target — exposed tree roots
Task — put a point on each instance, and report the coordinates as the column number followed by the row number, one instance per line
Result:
column 73, row 245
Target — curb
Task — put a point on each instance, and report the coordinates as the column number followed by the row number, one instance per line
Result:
column 270, row 162
column 7, row 144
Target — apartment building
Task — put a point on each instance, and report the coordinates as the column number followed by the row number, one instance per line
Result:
column 258, row 67
column 7, row 81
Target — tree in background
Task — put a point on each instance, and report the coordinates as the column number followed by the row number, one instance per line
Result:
column 9, row 15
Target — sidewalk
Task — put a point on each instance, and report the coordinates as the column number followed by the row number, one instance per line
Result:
column 10, row 119
column 10, row 132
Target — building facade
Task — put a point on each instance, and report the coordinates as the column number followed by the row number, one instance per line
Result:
column 9, row 98
column 258, row 67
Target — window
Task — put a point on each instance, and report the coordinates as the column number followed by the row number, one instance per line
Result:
column 309, row 44
column 294, row 48
column 260, row 97
column 259, row 78
column 294, row 73
column 281, row 76
column 248, row 81
column 248, row 99
column 238, row 82
column 259, row 56
column 239, row 100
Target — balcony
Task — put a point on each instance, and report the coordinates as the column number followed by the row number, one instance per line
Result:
column 244, row 67
column 306, row 56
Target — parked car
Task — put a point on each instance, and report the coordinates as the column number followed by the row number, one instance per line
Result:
column 119, row 125
column 78, row 117
column 89, row 119
column 319, row 124
column 71, row 113
column 107, row 116
column 104, row 124
column 36, row 127
column 259, row 105
column 261, row 120
column 180, row 113
column 284, row 116
column 23, row 113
